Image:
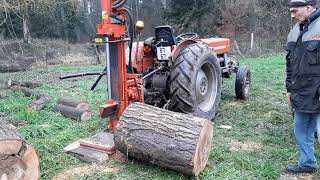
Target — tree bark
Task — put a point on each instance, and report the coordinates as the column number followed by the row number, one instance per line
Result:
column 171, row 140
column 26, row 31
column 68, row 101
column 73, row 113
column 18, row 160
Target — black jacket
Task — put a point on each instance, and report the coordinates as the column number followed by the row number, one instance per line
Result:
column 303, row 65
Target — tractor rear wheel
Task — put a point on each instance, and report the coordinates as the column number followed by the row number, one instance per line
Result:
column 196, row 82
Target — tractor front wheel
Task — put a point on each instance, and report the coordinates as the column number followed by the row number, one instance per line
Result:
column 196, row 82
column 243, row 82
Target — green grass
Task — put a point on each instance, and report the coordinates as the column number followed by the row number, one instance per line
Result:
column 264, row 118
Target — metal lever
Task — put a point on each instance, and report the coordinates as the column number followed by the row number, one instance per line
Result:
column 97, row 81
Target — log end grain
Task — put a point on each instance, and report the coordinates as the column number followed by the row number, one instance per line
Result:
column 203, row 149
column 18, row 160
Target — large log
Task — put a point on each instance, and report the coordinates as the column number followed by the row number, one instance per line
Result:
column 172, row 140
column 73, row 113
column 68, row 101
column 18, row 160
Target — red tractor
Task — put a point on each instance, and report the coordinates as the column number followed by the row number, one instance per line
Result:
column 182, row 74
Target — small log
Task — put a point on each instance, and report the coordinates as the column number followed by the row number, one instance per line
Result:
column 18, row 160
column 171, row 140
column 42, row 99
column 28, row 84
column 40, row 103
column 73, row 113
column 68, row 101
column 29, row 92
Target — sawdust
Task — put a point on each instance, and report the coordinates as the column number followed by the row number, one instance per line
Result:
column 296, row 177
column 233, row 104
column 118, row 156
column 268, row 114
column 248, row 146
column 85, row 171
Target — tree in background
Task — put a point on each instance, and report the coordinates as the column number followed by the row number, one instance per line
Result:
column 268, row 20
column 40, row 18
column 76, row 20
column 193, row 15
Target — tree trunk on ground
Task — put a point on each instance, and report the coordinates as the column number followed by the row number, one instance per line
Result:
column 28, row 84
column 68, row 101
column 18, row 160
column 73, row 113
column 172, row 140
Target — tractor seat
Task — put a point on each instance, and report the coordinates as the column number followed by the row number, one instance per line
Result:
column 165, row 36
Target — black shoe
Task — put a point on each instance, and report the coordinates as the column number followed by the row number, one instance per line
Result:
column 296, row 169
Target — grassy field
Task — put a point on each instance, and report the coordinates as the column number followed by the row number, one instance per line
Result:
column 262, row 125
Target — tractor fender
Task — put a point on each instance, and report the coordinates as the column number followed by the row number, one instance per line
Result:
column 180, row 47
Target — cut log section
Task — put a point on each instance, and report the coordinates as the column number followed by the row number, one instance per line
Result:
column 68, row 101
column 73, row 113
column 40, row 103
column 18, row 160
column 28, row 84
column 42, row 99
column 29, row 92
column 171, row 140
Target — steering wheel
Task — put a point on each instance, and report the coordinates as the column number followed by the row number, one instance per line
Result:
column 187, row 36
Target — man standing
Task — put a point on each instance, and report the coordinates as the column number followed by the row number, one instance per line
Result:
column 303, row 80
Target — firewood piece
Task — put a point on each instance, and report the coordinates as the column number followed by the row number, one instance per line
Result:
column 28, row 84
column 29, row 92
column 68, row 101
column 42, row 99
column 73, row 113
column 18, row 160
column 40, row 103
column 171, row 140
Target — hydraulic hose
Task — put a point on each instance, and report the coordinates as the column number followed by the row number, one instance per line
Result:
column 118, row 4
column 131, row 34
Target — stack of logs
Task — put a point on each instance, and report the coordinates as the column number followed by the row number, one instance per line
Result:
column 18, row 159
column 74, row 109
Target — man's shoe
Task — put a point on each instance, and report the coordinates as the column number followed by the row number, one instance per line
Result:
column 296, row 169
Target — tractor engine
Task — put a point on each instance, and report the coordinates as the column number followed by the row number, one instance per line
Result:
column 157, row 77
